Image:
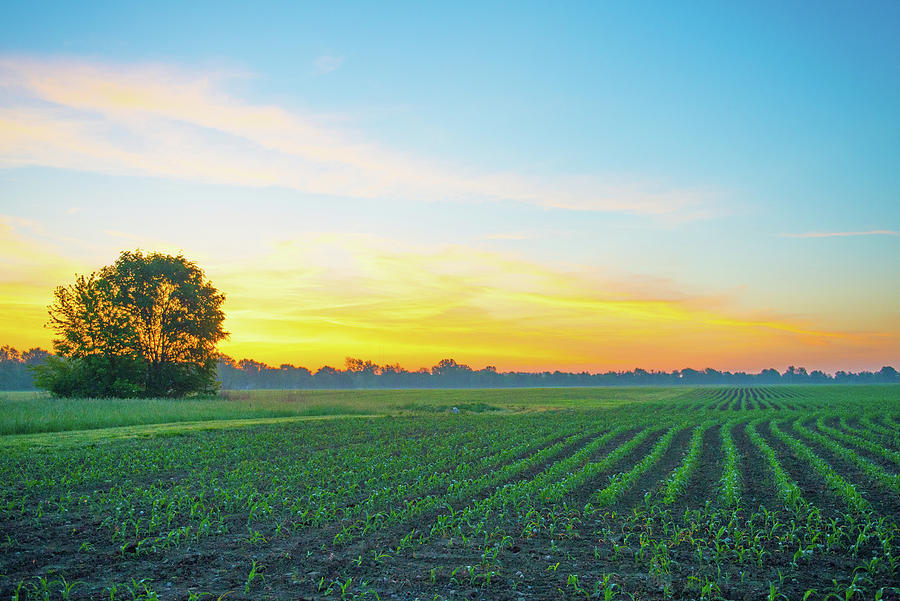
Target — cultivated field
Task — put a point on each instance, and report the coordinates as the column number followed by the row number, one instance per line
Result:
column 760, row 493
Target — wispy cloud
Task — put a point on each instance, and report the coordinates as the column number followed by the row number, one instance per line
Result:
column 842, row 234
column 327, row 64
column 160, row 121
column 508, row 236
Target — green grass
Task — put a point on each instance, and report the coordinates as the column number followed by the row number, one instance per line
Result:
column 161, row 430
column 32, row 413
column 42, row 414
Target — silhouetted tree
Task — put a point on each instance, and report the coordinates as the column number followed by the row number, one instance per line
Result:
column 888, row 375
column 15, row 373
column 769, row 376
column 362, row 373
column 329, row 377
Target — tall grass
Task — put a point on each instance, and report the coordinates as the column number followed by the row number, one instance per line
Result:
column 32, row 413
column 43, row 414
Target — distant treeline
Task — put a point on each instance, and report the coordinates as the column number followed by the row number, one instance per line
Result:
column 249, row 374
column 14, row 372
column 357, row 373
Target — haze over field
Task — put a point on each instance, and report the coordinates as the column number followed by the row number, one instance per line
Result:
column 589, row 188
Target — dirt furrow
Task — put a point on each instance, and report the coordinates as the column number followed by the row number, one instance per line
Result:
column 655, row 478
column 883, row 500
column 812, row 486
column 757, row 485
column 704, row 481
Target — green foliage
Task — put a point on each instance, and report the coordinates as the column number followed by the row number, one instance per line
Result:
column 786, row 488
column 92, row 376
column 146, row 326
column 623, row 481
column 841, row 487
column 678, row 480
column 730, row 484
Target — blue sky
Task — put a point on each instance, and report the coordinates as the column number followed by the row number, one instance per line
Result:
column 656, row 150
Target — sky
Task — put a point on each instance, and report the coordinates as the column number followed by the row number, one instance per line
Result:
column 587, row 186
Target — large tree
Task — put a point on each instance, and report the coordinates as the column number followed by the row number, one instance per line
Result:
column 147, row 325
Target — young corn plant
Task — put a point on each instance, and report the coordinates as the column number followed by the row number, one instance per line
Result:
column 622, row 482
column 677, row 483
column 786, row 488
column 730, row 484
column 841, row 487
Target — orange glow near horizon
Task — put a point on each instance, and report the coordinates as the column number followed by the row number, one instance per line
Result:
column 318, row 301
column 416, row 306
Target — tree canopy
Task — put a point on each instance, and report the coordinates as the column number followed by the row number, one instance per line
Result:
column 147, row 325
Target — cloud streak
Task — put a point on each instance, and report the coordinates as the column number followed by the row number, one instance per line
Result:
column 156, row 120
column 843, row 234
column 508, row 236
